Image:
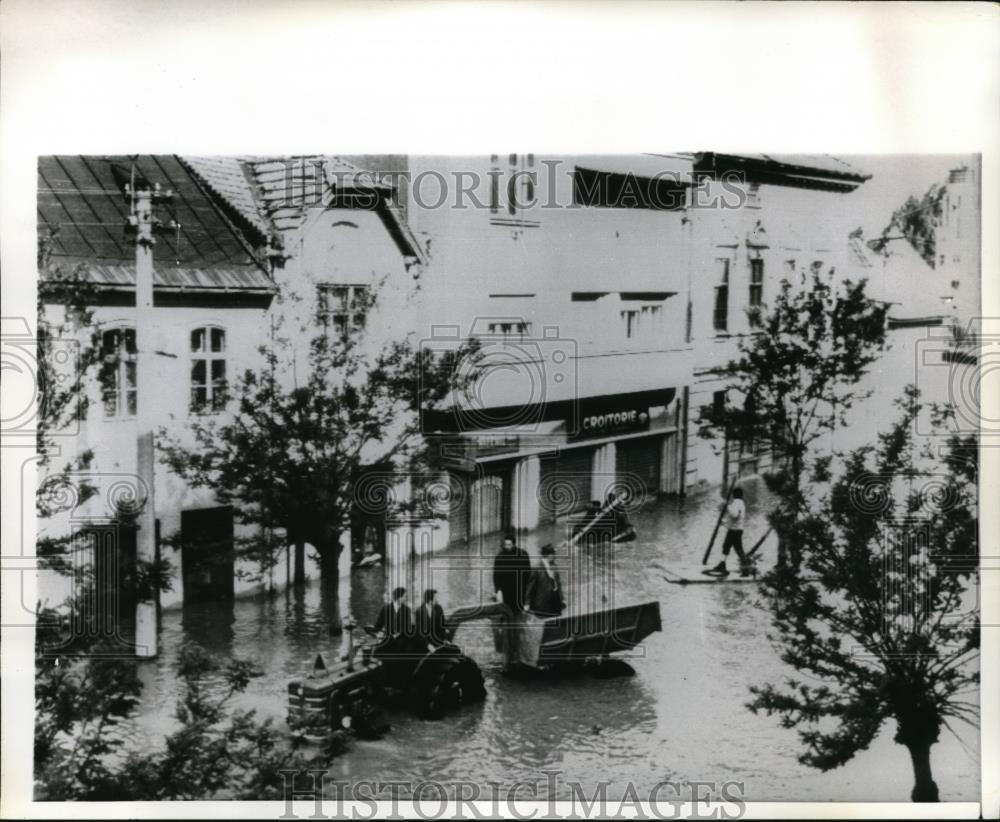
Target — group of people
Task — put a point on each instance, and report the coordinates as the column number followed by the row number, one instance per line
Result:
column 522, row 587
column 409, row 632
column 531, row 593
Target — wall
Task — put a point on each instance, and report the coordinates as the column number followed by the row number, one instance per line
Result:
column 789, row 229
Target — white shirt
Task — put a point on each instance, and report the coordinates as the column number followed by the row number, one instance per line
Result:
column 735, row 515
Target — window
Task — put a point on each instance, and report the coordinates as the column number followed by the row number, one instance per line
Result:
column 756, row 290
column 718, row 405
column 509, row 328
column 644, row 321
column 631, row 319
column 604, row 189
column 512, row 187
column 720, row 316
column 342, row 308
column 208, row 369
column 118, row 373
column 753, row 195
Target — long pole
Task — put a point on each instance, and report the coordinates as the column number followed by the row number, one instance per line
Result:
column 718, row 522
column 607, row 507
column 760, row 542
column 142, row 220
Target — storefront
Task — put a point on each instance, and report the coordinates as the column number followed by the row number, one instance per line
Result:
column 581, row 451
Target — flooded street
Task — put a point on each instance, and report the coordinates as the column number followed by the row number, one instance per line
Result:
column 681, row 717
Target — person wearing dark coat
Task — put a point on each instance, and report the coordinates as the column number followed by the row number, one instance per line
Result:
column 545, row 594
column 429, row 623
column 511, row 571
column 397, row 622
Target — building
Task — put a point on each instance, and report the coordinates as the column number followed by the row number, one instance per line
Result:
column 607, row 292
column 251, row 248
column 792, row 218
column 957, row 240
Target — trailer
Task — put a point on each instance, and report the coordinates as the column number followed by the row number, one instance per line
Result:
column 352, row 694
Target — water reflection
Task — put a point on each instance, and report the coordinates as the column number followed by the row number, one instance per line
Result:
column 211, row 624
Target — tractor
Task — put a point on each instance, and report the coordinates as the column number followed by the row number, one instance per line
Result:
column 353, row 693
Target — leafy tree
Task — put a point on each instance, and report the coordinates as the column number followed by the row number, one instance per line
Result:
column 84, row 700
column 874, row 602
column 798, row 377
column 217, row 752
column 291, row 456
column 66, row 354
column 83, row 692
column 86, row 684
column 917, row 220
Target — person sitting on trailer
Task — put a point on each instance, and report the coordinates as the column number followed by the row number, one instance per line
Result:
column 395, row 619
column 735, row 517
column 429, row 623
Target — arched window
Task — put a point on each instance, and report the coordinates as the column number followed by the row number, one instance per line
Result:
column 208, row 369
column 118, row 373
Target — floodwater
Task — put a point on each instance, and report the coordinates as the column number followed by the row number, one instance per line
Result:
column 681, row 717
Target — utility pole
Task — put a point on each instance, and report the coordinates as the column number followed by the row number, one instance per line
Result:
column 142, row 223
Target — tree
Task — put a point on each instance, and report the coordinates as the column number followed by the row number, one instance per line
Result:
column 798, row 377
column 871, row 601
column 66, row 354
column 291, row 456
column 86, row 684
column 917, row 220
column 84, row 700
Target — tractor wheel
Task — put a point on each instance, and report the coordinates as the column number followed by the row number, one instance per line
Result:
column 359, row 715
column 447, row 683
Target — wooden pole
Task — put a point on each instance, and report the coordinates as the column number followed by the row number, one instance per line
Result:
column 718, row 522
column 597, row 516
column 759, row 542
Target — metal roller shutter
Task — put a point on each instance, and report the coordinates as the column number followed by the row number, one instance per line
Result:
column 458, row 515
column 564, row 483
column 641, row 458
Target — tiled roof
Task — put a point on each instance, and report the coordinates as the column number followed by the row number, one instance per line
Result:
column 227, row 177
column 287, row 187
column 83, row 213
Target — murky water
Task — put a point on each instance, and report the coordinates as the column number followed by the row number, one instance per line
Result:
column 681, row 717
